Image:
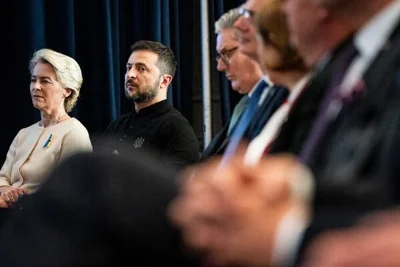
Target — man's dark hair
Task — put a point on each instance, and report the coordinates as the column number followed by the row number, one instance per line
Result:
column 166, row 59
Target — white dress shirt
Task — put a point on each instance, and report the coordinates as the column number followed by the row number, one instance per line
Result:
column 369, row 41
column 266, row 91
column 264, row 94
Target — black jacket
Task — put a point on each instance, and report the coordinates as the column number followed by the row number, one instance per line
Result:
column 158, row 130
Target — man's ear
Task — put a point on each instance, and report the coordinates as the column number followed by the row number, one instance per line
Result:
column 165, row 80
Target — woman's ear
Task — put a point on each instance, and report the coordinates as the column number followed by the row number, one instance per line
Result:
column 67, row 92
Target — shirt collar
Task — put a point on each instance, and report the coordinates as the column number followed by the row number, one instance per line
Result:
column 267, row 80
column 372, row 36
column 161, row 105
column 250, row 93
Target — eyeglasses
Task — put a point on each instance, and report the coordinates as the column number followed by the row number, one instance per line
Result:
column 226, row 56
column 246, row 13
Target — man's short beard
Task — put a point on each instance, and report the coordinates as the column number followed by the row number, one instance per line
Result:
column 143, row 97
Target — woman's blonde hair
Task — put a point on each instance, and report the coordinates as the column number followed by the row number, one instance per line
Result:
column 273, row 29
column 68, row 73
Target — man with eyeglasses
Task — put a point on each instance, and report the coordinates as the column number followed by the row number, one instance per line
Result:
column 270, row 96
column 242, row 71
column 354, row 168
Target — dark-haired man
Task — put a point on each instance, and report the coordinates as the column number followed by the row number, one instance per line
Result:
column 154, row 126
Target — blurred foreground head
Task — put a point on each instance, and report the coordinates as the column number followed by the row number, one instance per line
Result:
column 318, row 26
column 274, row 49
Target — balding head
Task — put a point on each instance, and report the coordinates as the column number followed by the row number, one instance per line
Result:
column 357, row 12
column 242, row 71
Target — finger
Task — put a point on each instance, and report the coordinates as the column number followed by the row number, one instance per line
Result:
column 7, row 199
column 241, row 150
column 3, row 203
column 199, row 172
column 197, row 187
column 201, row 227
column 332, row 249
column 201, row 181
column 186, row 175
column 200, row 235
column 187, row 209
column 381, row 218
column 176, row 211
column 12, row 198
column 14, row 195
column 21, row 191
column 181, row 208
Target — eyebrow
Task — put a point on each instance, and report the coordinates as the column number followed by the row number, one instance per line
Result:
column 41, row 77
column 225, row 49
column 137, row 64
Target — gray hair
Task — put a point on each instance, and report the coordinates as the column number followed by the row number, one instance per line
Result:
column 68, row 72
column 227, row 20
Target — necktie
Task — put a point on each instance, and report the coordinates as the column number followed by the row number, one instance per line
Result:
column 244, row 120
column 260, row 144
column 325, row 113
column 237, row 112
column 274, row 99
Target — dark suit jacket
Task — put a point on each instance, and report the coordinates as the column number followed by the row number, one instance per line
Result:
column 97, row 210
column 301, row 118
column 271, row 103
column 356, row 166
column 217, row 145
column 276, row 96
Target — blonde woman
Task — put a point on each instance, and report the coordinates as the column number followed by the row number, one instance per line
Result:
column 56, row 80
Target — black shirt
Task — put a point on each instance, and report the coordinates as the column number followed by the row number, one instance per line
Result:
column 158, row 129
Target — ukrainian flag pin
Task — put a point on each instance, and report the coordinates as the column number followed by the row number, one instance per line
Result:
column 48, row 142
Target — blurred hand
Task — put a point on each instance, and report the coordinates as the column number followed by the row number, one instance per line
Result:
column 375, row 242
column 10, row 194
column 231, row 212
column 3, row 203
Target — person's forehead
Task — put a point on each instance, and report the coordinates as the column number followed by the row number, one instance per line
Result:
column 226, row 37
column 255, row 5
column 143, row 56
column 43, row 67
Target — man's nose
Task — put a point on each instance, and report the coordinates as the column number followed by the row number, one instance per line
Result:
column 221, row 66
column 131, row 73
column 241, row 24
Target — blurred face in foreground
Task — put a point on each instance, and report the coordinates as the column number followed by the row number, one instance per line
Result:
column 245, row 27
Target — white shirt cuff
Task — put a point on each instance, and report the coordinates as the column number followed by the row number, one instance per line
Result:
column 287, row 240
column 291, row 228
